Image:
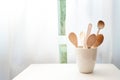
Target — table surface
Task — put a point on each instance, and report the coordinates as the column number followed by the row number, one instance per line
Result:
column 68, row 72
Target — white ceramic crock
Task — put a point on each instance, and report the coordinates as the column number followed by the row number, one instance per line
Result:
column 86, row 59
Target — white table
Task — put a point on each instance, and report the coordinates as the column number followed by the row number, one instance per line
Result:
column 68, row 72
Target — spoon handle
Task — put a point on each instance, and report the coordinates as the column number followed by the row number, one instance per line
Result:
column 98, row 31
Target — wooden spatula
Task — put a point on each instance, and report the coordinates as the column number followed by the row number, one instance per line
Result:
column 99, row 40
column 87, row 34
column 91, row 40
column 73, row 39
column 82, row 37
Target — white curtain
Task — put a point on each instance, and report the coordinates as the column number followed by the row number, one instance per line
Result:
column 28, row 34
column 29, row 31
column 82, row 12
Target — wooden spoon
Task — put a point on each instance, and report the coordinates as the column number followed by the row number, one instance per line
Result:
column 99, row 40
column 73, row 39
column 91, row 40
column 100, row 25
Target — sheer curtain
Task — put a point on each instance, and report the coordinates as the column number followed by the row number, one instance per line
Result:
column 82, row 12
column 28, row 32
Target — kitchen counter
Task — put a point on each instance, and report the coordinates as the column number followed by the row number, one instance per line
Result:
column 68, row 72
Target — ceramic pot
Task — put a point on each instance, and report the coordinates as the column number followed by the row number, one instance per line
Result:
column 86, row 59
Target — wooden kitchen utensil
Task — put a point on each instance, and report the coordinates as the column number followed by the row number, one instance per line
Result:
column 73, row 39
column 87, row 34
column 99, row 40
column 89, row 29
column 82, row 37
column 91, row 40
column 100, row 25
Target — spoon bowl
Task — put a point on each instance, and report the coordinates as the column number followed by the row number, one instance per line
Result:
column 73, row 39
column 100, row 25
column 91, row 40
column 99, row 40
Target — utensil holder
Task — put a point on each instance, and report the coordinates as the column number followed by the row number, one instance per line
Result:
column 86, row 59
